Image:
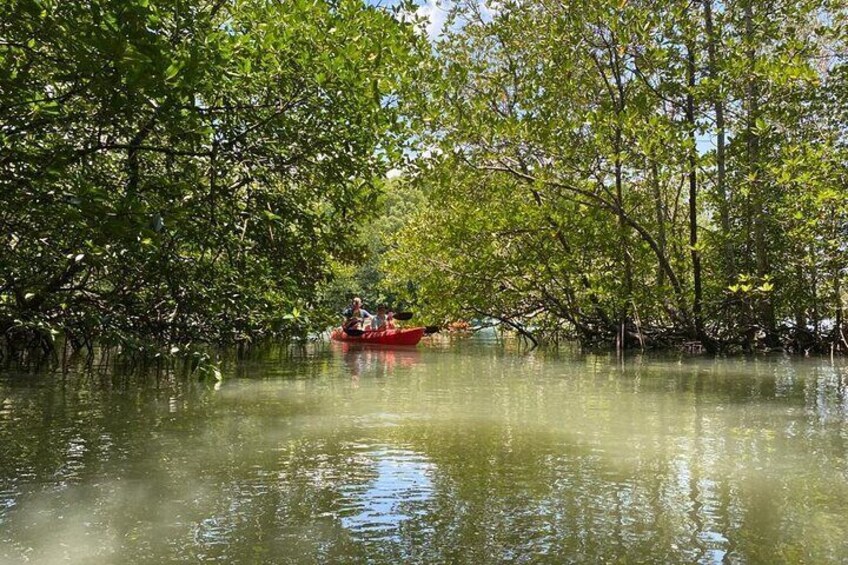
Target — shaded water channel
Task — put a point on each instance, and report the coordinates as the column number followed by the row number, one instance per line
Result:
column 452, row 452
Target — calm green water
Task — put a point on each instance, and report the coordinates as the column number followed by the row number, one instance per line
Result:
column 451, row 453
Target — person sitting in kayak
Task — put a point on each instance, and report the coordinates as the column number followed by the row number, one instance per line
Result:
column 355, row 314
column 382, row 321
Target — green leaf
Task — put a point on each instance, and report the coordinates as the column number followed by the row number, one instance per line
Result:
column 173, row 70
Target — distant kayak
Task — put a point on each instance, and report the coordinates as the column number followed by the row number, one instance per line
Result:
column 403, row 336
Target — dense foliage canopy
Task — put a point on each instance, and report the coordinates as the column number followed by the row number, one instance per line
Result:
column 637, row 172
column 629, row 172
column 188, row 170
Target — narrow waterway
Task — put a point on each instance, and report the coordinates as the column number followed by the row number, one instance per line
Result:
column 460, row 452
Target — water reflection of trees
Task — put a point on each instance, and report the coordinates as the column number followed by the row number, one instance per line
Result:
column 522, row 456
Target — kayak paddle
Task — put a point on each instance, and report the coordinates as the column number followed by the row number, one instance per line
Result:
column 402, row 316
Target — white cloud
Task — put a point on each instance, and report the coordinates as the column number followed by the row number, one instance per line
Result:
column 432, row 151
column 489, row 9
column 432, row 15
column 435, row 15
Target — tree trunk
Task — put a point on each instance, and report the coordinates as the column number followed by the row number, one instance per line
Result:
column 622, row 226
column 800, row 307
column 721, row 142
column 758, row 214
column 625, row 249
column 838, row 337
column 660, row 213
column 693, row 193
column 814, row 288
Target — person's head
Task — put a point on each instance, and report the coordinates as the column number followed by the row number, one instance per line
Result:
column 381, row 310
column 357, row 302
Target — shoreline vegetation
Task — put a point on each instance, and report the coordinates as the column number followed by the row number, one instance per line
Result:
column 638, row 174
column 625, row 175
column 186, row 172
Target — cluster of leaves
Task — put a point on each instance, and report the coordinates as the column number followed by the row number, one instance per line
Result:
column 397, row 204
column 188, row 170
column 637, row 171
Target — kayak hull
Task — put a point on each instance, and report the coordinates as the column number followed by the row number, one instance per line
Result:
column 403, row 336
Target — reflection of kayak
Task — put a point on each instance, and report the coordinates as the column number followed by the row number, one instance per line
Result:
column 403, row 336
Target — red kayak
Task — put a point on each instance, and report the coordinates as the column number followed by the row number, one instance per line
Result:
column 403, row 336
